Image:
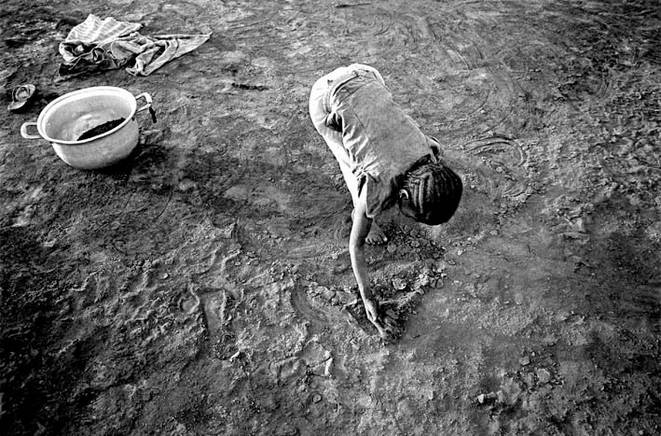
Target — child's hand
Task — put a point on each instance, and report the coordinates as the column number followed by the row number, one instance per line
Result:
column 372, row 310
column 384, row 324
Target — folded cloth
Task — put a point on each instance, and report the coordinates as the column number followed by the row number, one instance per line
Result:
column 152, row 53
column 108, row 44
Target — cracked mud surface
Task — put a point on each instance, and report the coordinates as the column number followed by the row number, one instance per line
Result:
column 199, row 287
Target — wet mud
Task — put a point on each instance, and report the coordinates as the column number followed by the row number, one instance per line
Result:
column 204, row 286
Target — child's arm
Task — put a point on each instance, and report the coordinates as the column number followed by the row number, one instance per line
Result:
column 359, row 231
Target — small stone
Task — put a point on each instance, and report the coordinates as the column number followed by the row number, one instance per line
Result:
column 483, row 398
column 525, row 360
column 227, row 231
column 187, row 185
column 326, row 293
column 316, row 398
column 328, row 368
column 399, row 283
column 130, row 17
column 550, row 340
column 543, row 375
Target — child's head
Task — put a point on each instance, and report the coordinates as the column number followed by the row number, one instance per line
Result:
column 430, row 192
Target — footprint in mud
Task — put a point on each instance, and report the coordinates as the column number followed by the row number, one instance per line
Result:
column 341, row 228
column 318, row 304
column 301, row 304
column 139, row 293
column 218, row 307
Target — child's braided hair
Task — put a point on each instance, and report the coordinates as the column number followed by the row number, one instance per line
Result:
column 434, row 190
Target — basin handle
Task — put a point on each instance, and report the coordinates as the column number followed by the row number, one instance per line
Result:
column 24, row 130
column 147, row 98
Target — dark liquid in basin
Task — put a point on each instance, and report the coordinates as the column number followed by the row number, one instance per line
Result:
column 101, row 128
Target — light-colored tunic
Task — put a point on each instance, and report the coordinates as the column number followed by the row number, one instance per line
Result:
column 379, row 141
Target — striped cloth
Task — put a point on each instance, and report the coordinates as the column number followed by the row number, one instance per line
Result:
column 97, row 44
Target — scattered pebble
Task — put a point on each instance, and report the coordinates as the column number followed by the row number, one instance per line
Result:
column 483, row 398
column 543, row 375
column 327, row 293
column 399, row 283
column 235, row 356
column 328, row 367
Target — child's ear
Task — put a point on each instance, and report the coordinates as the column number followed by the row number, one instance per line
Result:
column 403, row 194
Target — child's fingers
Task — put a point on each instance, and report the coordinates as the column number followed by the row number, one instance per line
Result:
column 383, row 332
column 389, row 333
column 391, row 323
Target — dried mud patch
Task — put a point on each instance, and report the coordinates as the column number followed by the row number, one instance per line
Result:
column 198, row 287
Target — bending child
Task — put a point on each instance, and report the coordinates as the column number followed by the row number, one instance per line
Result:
column 385, row 160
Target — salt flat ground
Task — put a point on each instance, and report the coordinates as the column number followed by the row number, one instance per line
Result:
column 198, row 288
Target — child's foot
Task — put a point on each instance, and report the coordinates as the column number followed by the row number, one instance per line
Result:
column 376, row 235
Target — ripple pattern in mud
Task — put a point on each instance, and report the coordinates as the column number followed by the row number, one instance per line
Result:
column 448, row 65
column 503, row 169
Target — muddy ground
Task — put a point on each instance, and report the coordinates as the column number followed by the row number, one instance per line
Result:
column 198, row 288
